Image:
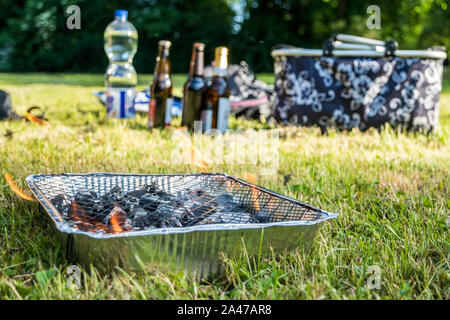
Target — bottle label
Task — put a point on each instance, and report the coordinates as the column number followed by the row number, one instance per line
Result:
column 207, row 120
column 168, row 114
column 223, row 112
column 151, row 113
column 120, row 103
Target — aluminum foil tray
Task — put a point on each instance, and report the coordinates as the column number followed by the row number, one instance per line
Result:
column 196, row 249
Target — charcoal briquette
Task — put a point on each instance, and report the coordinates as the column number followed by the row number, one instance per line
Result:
column 225, row 200
column 261, row 217
column 136, row 193
column 60, row 202
column 139, row 213
column 151, row 207
column 173, row 222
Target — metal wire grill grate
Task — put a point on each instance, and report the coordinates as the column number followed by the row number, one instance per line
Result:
column 116, row 203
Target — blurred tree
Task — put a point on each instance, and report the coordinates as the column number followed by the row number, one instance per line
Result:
column 413, row 24
column 42, row 42
column 34, row 36
column 182, row 22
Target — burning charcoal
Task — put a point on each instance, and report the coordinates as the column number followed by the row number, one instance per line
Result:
column 172, row 221
column 197, row 213
column 163, row 195
column 133, row 200
column 60, row 202
column 219, row 220
column 86, row 200
column 167, row 216
column 116, row 189
column 212, row 219
column 112, row 211
column 117, row 197
column 186, row 215
column 199, row 192
column 165, row 210
column 151, row 207
column 112, row 193
column 145, row 189
column 136, row 193
column 83, row 221
column 99, row 211
column 177, row 203
column 149, row 202
column 129, row 204
column 85, row 197
column 139, row 213
column 202, row 209
column 225, row 200
column 143, row 219
column 150, row 188
column 118, row 220
column 261, row 217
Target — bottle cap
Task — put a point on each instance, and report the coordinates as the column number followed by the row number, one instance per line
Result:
column 165, row 43
column 221, row 57
column 121, row 14
column 198, row 46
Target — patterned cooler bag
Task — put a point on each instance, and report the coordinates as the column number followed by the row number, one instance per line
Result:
column 358, row 82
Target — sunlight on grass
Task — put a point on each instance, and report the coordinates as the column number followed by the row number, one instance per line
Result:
column 391, row 190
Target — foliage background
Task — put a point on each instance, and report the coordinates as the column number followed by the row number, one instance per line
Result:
column 34, row 36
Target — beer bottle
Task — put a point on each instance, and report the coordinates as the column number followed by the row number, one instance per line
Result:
column 161, row 99
column 215, row 102
column 194, row 87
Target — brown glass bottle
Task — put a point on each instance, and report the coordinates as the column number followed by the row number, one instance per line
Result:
column 161, row 99
column 194, row 87
column 215, row 102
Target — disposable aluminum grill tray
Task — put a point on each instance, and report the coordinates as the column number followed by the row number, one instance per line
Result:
column 177, row 221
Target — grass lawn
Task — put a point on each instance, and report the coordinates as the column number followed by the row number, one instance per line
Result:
column 391, row 190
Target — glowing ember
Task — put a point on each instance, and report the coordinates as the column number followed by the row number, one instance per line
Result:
column 150, row 207
column 119, row 221
column 83, row 221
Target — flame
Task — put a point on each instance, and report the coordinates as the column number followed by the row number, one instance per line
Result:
column 119, row 221
column 33, row 118
column 16, row 189
column 85, row 222
column 250, row 177
column 116, row 228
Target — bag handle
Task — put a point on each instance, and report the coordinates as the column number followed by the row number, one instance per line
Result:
column 349, row 42
column 359, row 40
column 339, row 45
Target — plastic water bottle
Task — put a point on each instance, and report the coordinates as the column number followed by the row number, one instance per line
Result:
column 121, row 40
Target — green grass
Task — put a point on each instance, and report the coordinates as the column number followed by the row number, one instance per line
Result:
column 391, row 190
